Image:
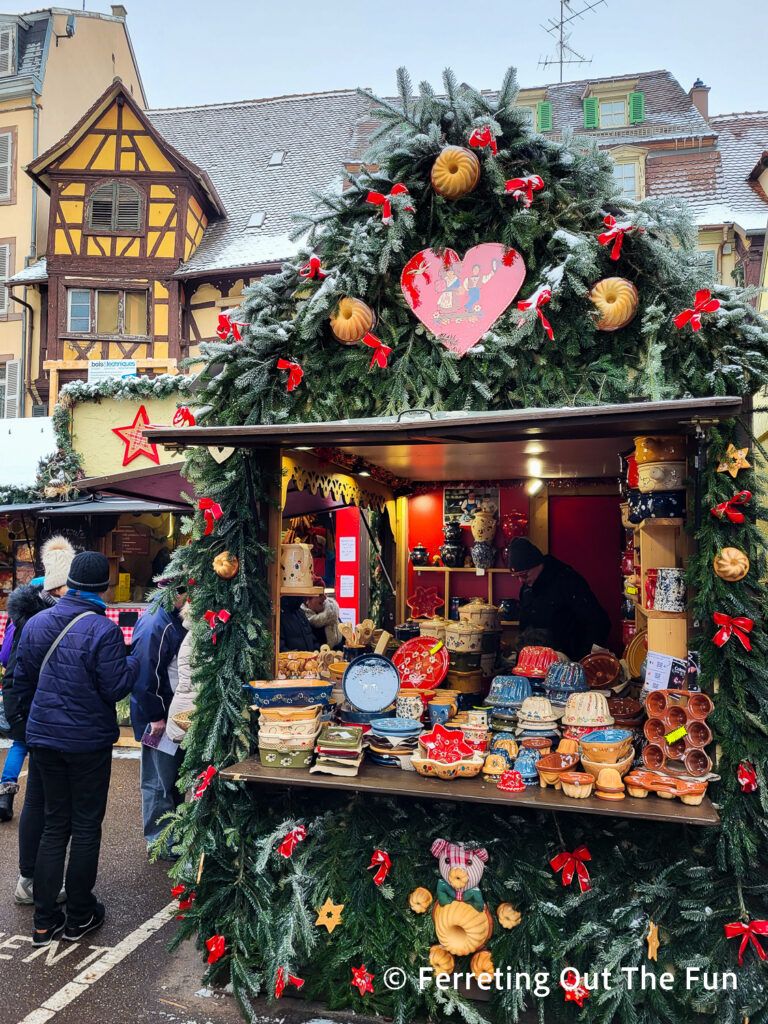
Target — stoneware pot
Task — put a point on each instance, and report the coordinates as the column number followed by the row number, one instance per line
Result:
column 480, row 613
column 433, row 627
column 419, row 555
column 661, row 476
column 409, row 705
column 452, row 531
column 463, row 636
column 452, row 554
column 483, row 555
column 656, row 505
column 407, row 631
column 671, row 591
column 483, row 526
column 296, row 565
column 659, row 449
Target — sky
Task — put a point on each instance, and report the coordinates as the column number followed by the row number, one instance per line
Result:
column 198, row 51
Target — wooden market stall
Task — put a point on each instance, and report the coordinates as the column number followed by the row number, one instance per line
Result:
column 391, row 457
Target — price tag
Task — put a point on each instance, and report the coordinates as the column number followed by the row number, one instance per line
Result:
column 479, row 572
column 676, row 734
column 437, row 647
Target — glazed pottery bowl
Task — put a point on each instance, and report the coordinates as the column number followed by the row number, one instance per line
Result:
column 600, row 669
column 282, row 713
column 595, row 767
column 661, row 476
column 587, row 709
column 654, row 730
column 675, row 717
column 541, row 743
column 697, row 762
column 535, row 710
column 607, row 746
column 286, row 759
column 534, row 662
column 466, row 768
column 578, row 785
column 296, row 693
column 656, row 505
column 699, row 705
column 659, row 449
column 699, row 734
column 551, row 767
column 407, row 631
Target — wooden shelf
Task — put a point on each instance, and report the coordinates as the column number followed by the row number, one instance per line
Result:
column 505, row 623
column 651, row 613
column 394, row 782
column 300, row 591
column 445, row 568
column 667, row 524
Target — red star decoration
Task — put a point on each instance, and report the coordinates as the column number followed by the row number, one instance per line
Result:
column 361, row 980
column 135, row 442
column 424, row 602
column 446, row 745
column 575, row 994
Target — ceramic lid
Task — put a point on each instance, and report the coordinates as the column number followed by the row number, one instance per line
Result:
column 396, row 726
column 371, row 682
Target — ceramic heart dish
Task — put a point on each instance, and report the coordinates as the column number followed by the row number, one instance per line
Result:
column 459, row 300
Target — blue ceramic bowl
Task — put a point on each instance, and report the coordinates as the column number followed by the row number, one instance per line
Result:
column 350, row 716
column 370, row 683
column 290, row 693
column 609, row 736
column 396, row 727
column 509, row 691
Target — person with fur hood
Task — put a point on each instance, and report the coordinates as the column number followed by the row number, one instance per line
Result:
column 24, row 603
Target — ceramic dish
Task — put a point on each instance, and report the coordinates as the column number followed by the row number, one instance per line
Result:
column 285, row 714
column 578, row 785
column 422, row 662
column 534, row 662
column 281, row 759
column 296, row 693
column 551, row 766
column 396, row 727
column 595, row 767
column 466, row 768
column 601, row 669
column 371, row 683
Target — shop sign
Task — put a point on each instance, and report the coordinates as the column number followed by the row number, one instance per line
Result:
column 108, row 369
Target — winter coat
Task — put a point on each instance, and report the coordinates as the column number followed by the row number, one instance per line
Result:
column 156, row 641
column 186, row 691
column 295, row 631
column 23, row 603
column 325, row 624
column 561, row 601
column 71, row 705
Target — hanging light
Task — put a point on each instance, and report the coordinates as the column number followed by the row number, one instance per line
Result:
column 534, row 485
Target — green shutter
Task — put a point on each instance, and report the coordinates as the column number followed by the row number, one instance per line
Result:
column 544, row 116
column 636, row 107
column 591, row 112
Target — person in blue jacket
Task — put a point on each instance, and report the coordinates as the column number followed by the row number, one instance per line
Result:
column 156, row 641
column 72, row 668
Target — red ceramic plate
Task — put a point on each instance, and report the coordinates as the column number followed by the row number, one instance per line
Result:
column 419, row 664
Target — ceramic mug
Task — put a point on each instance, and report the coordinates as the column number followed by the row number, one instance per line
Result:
column 439, row 713
column 670, row 593
column 478, row 717
column 408, row 705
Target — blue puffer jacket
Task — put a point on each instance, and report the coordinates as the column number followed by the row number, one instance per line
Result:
column 156, row 641
column 72, row 704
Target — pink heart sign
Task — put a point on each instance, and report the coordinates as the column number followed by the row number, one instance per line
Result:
column 459, row 300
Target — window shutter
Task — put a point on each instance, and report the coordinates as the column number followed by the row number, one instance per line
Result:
column 102, row 205
column 128, row 208
column 544, row 116
column 12, row 389
column 636, row 107
column 6, row 50
column 5, row 165
column 5, row 253
column 591, row 112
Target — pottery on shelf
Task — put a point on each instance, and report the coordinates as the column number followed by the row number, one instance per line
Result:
column 514, row 524
column 484, row 524
column 296, row 565
column 595, row 767
column 453, row 554
column 480, row 613
column 452, row 530
column 463, row 637
column 483, row 555
column 656, row 505
column 659, row 449
column 419, row 555
column 587, row 710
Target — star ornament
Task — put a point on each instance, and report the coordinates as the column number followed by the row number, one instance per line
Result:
column 575, row 993
column 329, row 915
column 362, row 980
column 734, row 460
column 135, row 442
column 447, row 745
column 424, row 602
column 652, row 938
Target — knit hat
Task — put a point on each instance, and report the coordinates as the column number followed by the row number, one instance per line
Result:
column 523, row 555
column 56, row 556
column 89, row 571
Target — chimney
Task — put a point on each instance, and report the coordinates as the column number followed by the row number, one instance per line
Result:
column 118, row 11
column 700, row 98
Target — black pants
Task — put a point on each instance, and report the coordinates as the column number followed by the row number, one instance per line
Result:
column 31, row 819
column 75, row 787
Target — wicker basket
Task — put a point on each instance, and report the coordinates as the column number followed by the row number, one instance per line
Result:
column 183, row 720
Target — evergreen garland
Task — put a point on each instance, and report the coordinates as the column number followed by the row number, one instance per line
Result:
column 690, row 881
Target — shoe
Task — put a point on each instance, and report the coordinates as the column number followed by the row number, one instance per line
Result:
column 24, row 894
column 73, row 932
column 8, row 791
column 46, row 938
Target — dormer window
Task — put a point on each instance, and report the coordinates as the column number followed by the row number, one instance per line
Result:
column 115, row 206
column 613, row 113
column 7, row 49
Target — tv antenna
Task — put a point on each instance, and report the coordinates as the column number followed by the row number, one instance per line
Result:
column 558, row 28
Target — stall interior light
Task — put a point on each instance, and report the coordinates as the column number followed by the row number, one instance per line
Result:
column 535, row 467
column 303, row 448
column 359, row 468
column 534, row 485
column 363, row 472
column 170, row 524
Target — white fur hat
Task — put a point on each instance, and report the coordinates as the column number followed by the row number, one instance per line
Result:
column 56, row 556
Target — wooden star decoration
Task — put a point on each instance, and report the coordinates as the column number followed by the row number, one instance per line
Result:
column 329, row 915
column 734, row 460
column 424, row 602
column 652, row 938
column 135, row 442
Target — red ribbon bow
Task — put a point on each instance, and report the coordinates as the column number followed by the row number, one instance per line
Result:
column 615, row 234
column 729, row 508
column 482, row 137
column 573, row 862
column 294, row 837
column 703, row 303
column 379, row 199
column 539, row 299
column 183, row 417
column 212, row 512
column 176, row 891
column 379, row 357
column 730, row 625
column 523, row 188
column 295, row 373
column 204, row 778
column 747, row 777
column 215, row 945
column 748, row 933
column 282, row 980
column 312, row 269
column 228, row 327
column 212, row 618
column 380, row 858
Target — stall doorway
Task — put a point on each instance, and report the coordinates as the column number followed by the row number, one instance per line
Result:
column 585, row 532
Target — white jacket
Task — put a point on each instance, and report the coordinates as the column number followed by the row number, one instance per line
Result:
column 184, row 697
column 328, row 620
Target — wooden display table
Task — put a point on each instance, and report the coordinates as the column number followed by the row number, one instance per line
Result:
column 390, row 781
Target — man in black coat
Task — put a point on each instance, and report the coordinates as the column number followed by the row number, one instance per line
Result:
column 295, row 630
column 556, row 603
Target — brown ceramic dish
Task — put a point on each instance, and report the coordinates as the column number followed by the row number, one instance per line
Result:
column 551, row 767
column 601, row 669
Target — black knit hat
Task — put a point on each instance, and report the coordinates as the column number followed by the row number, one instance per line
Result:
column 523, row 555
column 89, row 571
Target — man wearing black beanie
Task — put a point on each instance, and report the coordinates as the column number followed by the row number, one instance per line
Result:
column 71, row 670
column 557, row 605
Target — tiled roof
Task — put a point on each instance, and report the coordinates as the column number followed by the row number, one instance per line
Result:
column 30, row 41
column 233, row 142
column 35, row 272
column 742, row 140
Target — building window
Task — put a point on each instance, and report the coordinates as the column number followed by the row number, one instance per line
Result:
column 113, row 311
column 6, row 165
column 115, row 206
column 625, row 176
column 5, row 273
column 529, row 116
column 10, row 388
column 709, row 264
column 7, row 50
column 613, row 113
column 277, row 158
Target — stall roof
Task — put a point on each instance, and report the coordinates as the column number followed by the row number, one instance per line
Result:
column 158, row 483
column 564, row 442
column 94, row 505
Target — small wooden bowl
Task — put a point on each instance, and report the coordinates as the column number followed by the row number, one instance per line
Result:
column 182, row 719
